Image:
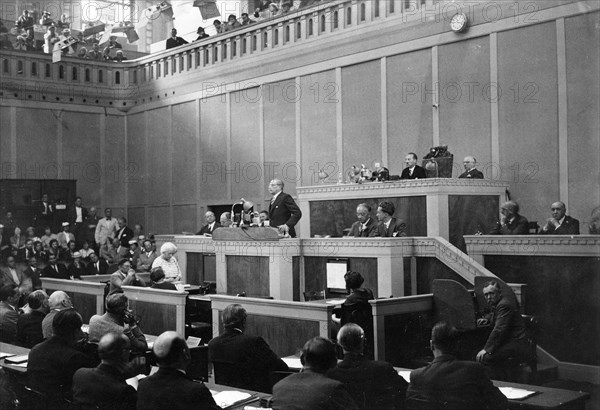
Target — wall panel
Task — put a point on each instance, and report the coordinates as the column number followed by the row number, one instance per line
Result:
column 184, row 219
column 36, row 144
column 213, row 151
column 409, row 105
column 5, row 137
column 361, row 111
column 158, row 134
column 184, row 153
column 528, row 126
column 159, row 221
column 583, row 93
column 464, row 110
column 116, row 172
column 137, row 180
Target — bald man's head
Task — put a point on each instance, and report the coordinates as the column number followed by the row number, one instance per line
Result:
column 114, row 347
column 59, row 300
column 351, row 337
column 171, row 350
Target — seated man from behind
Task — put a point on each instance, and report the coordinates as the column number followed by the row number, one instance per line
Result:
column 365, row 224
column 372, row 384
column 242, row 360
column 560, row 223
column 52, row 363
column 29, row 326
column 104, row 387
column 157, row 276
column 9, row 316
column 451, row 383
column 170, row 387
column 508, row 337
column 311, row 389
column 118, row 319
column 512, row 223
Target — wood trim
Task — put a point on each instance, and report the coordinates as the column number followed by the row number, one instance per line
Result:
column 563, row 137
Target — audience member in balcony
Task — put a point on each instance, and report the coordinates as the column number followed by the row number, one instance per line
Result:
column 511, row 223
column 471, row 171
column 167, row 262
column 232, row 23
column 264, row 9
column 82, row 53
column 25, row 22
column 201, row 34
column 65, row 236
column 388, row 226
column 560, row 223
column 30, row 233
column 106, row 54
column 246, row 20
column 47, row 237
column 69, row 50
column 120, row 56
column 21, row 44
column 286, row 7
column 113, row 43
column 46, row 20
column 95, row 53
column 97, row 266
column 218, row 26
column 174, row 40
column 64, row 22
column 106, row 228
column 146, row 258
column 17, row 241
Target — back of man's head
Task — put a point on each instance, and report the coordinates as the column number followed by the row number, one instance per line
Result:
column 351, row 337
column 113, row 347
column 171, row 350
column 234, row 316
column 65, row 323
column 157, row 275
column 444, row 337
column 116, row 303
column 37, row 300
column 7, row 291
column 59, row 300
column 318, row 354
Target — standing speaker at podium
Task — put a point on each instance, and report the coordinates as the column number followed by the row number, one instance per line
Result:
column 284, row 214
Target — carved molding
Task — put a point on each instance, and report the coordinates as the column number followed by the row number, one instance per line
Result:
column 416, row 183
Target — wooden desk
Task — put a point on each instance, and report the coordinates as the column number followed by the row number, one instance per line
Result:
column 255, row 403
column 87, row 297
column 16, row 350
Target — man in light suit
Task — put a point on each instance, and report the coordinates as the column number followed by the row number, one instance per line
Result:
column 388, row 226
column 365, row 224
column 452, row 383
column 284, row 214
column 11, row 275
column 211, row 224
column 560, row 223
column 9, row 315
column 147, row 256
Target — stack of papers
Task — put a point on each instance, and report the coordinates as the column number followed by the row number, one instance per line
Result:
column 293, row 362
column 513, row 393
column 3, row 355
column 335, row 301
column 227, row 398
column 16, row 360
column 405, row 375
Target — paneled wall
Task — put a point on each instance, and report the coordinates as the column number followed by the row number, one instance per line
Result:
column 521, row 96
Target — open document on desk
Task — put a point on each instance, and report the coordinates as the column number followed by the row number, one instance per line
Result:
column 228, row 398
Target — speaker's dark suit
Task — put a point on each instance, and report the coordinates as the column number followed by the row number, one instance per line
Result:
column 569, row 226
column 243, row 361
column 104, row 388
column 206, row 229
column 396, row 228
column 472, row 173
column 459, row 384
column 284, row 211
column 170, row 389
column 356, row 231
column 418, row 173
column 373, row 384
column 311, row 391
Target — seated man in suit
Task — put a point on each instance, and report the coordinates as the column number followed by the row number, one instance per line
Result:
column 157, row 276
column 104, row 387
column 54, row 269
column 211, row 224
column 57, row 301
column 170, row 387
column 9, row 315
column 365, row 224
column 284, row 214
column 471, row 171
column 412, row 170
column 125, row 276
column 508, row 337
column 147, row 256
column 512, row 223
column 372, row 384
column 560, row 223
column 96, row 266
column 11, row 274
column 118, row 319
column 242, row 360
column 388, row 226
column 52, row 363
column 454, row 384
column 29, row 325
column 311, row 389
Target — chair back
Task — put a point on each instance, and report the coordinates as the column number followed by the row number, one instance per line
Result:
column 314, row 295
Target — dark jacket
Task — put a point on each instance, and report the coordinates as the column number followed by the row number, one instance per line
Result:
column 243, row 361
column 205, row 229
column 507, row 325
column 171, row 389
column 284, row 211
column 418, row 173
column 373, row 384
column 164, row 286
column 311, row 391
column 103, row 388
column 355, row 230
column 472, row 174
column 175, row 42
column 518, row 226
column 569, row 226
column 126, row 236
column 459, row 384
column 29, row 329
column 49, row 272
column 91, row 267
column 397, row 228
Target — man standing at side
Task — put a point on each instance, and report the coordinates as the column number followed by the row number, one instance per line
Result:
column 373, row 384
column 412, row 170
column 104, row 387
column 211, row 224
column 311, row 389
column 170, row 387
column 457, row 383
column 106, row 228
column 388, row 226
column 508, row 337
column 471, row 170
column 122, row 236
column 365, row 224
column 90, row 223
column 241, row 360
column 560, row 223
column 284, row 214
column 175, row 41
column 76, row 216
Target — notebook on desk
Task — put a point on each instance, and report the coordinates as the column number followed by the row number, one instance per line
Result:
column 17, row 359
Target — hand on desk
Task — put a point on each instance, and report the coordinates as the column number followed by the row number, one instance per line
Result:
column 480, row 355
